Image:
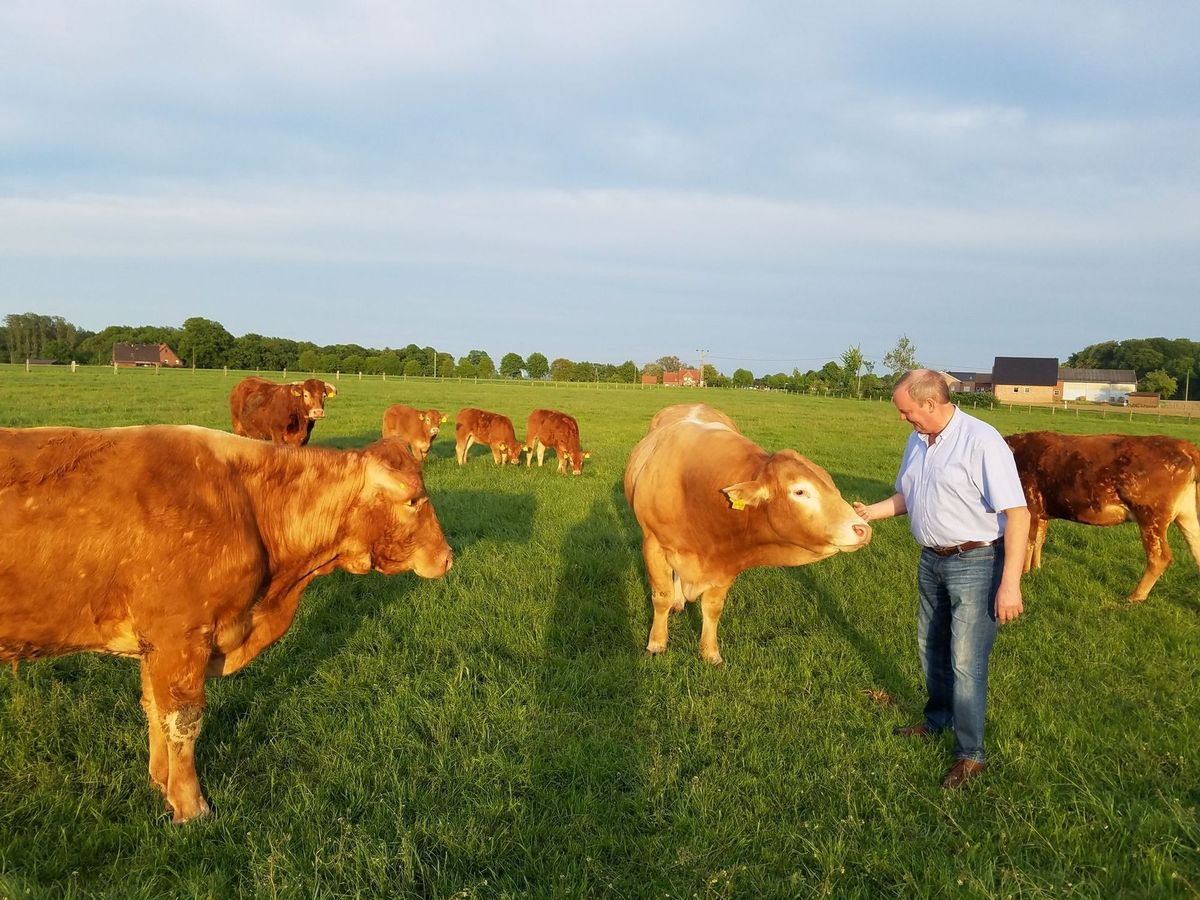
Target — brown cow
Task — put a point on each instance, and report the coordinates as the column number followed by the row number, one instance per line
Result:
column 558, row 431
column 280, row 413
column 416, row 427
column 478, row 426
column 1106, row 479
column 711, row 504
column 188, row 549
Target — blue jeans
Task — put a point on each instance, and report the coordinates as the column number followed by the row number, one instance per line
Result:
column 956, row 627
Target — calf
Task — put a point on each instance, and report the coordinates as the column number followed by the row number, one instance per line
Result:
column 416, row 427
column 280, row 413
column 478, row 426
column 1106, row 479
column 188, row 549
column 558, row 431
column 711, row 503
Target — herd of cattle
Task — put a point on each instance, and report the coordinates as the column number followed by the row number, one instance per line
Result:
column 189, row 548
column 286, row 414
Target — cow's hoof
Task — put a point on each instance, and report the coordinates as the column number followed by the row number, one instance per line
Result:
column 199, row 811
column 1137, row 599
column 715, row 659
column 654, row 648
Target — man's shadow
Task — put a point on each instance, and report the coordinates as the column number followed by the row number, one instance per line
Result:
column 585, row 759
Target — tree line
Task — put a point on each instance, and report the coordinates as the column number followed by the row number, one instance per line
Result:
column 1167, row 366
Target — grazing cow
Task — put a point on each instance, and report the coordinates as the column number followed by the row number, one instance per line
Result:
column 188, row 549
column 1106, row 479
column 711, row 504
column 416, row 427
column 559, row 432
column 478, row 426
column 279, row 413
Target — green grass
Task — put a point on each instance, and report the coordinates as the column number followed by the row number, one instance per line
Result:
column 501, row 732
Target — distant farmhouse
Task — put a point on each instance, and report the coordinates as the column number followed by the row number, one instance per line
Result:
column 1028, row 379
column 969, row 382
column 682, row 378
column 126, row 355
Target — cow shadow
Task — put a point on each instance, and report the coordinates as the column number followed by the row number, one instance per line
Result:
column 470, row 516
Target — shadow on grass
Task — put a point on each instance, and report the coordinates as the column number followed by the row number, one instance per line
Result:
column 468, row 516
column 586, row 796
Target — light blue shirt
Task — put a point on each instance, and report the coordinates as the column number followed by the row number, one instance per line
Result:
column 956, row 490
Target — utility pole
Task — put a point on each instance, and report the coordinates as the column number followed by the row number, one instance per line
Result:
column 701, row 352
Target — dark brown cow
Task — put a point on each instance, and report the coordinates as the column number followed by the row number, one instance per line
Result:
column 416, row 427
column 280, row 413
column 558, row 431
column 189, row 549
column 1106, row 479
column 478, row 426
column 711, row 503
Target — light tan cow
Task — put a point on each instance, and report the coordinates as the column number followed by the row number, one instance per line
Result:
column 188, row 549
column 478, row 426
column 1107, row 479
column 416, row 427
column 558, row 431
column 711, row 503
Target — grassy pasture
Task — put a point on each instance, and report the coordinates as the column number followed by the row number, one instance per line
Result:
column 501, row 732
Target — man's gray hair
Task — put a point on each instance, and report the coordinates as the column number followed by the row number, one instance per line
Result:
column 925, row 384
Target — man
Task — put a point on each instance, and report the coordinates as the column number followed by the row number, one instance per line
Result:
column 959, row 486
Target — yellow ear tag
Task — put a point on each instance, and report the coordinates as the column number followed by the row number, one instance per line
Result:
column 738, row 503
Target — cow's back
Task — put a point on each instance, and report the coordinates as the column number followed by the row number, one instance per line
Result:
column 105, row 520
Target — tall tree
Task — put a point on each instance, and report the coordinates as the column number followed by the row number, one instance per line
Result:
column 902, row 357
column 537, row 366
column 743, row 377
column 511, row 365
column 669, row 364
column 204, row 342
column 852, row 363
column 561, row 369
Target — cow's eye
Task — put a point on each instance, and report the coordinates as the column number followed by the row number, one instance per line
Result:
column 799, row 492
column 415, row 502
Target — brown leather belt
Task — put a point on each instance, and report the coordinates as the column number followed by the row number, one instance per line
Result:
column 962, row 548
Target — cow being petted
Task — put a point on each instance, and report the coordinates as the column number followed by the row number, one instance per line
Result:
column 188, row 549
column 711, row 503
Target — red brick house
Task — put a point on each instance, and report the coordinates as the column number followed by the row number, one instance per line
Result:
column 125, row 355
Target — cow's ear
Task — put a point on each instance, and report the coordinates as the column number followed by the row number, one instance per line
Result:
column 746, row 493
column 444, row 417
column 330, row 389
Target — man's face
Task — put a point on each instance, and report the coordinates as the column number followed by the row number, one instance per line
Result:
column 922, row 416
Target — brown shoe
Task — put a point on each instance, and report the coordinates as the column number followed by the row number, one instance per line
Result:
column 918, row 731
column 960, row 773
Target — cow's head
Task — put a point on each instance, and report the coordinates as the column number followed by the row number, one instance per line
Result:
column 576, row 460
column 432, row 420
column 314, row 391
column 394, row 526
column 802, row 505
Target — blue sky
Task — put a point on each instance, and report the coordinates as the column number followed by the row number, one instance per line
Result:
column 769, row 182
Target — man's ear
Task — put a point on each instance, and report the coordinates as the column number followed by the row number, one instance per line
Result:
column 746, row 493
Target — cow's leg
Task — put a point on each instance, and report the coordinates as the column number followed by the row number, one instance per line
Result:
column 462, row 446
column 663, row 588
column 1188, row 519
column 541, row 452
column 1033, row 549
column 159, row 767
column 1158, row 551
column 563, row 456
column 176, row 676
column 711, row 605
